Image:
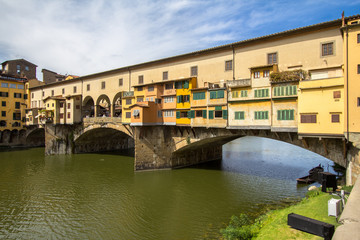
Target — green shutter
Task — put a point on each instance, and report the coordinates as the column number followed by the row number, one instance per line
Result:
column 186, row 84
column 278, row 115
column 292, row 114
column 242, row 115
column 189, row 114
column 256, row 115
column 256, row 93
column 192, row 113
column 237, row 115
column 204, row 113
column 211, row 114
column 177, row 114
column 212, row 96
column 294, row 90
column 220, row 94
column 266, row 92
column 218, row 108
column 225, row 114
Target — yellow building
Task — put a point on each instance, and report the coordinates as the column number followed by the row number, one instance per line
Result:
column 183, row 91
column 351, row 37
column 13, row 98
column 128, row 99
column 199, row 103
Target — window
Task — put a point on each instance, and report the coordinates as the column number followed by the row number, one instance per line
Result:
column 103, row 85
column 12, row 85
column 140, row 89
column 186, row 84
column 228, row 65
column 136, row 113
column 169, row 113
column 358, row 69
column 69, row 105
column 159, row 113
column 158, row 100
column 27, row 68
column 178, row 85
column 63, row 91
column 16, row 116
column 259, row 93
column 285, row 114
column 308, row 118
column 4, row 85
column 211, row 114
column 25, row 96
column 186, row 98
column 17, row 105
column 52, row 104
column 17, row 95
column 244, row 93
column 194, row 71
column 337, row 94
column 128, row 101
column 18, row 67
column 61, row 105
column 77, row 106
column 266, row 73
column 52, row 92
column 88, row 87
column 272, row 58
column 3, row 113
column 4, row 94
column 257, row 74
column 335, row 118
column 217, row 94
column 141, row 79
column 327, row 49
column 235, row 94
column 165, row 75
column 150, row 88
column 261, row 115
column 120, row 82
column 20, row 86
column 240, row 115
column 198, row 95
column 358, row 101
column 358, row 38
column 168, row 99
column 69, row 115
column 218, row 114
column 128, row 114
column 191, row 114
column 3, row 104
column 43, row 94
column 74, row 90
column 199, row 113
column 169, row 86
column 139, row 99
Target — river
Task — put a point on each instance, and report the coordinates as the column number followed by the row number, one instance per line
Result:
column 99, row 196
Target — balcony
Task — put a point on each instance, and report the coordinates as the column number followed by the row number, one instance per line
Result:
column 289, row 76
column 239, row 83
column 128, row 94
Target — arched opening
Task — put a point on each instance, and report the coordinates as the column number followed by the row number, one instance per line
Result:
column 88, row 107
column 14, row 136
column 36, row 138
column 117, row 105
column 103, row 139
column 5, row 136
column 103, row 106
column 2, row 123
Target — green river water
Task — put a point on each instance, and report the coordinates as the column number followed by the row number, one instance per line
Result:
column 99, row 196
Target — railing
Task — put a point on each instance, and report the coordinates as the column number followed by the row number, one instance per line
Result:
column 94, row 120
column 239, row 83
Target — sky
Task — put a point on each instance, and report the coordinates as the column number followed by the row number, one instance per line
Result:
column 82, row 37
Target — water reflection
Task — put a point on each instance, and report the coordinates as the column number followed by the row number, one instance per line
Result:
column 99, row 196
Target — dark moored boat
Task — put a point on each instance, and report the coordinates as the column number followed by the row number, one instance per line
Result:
column 311, row 178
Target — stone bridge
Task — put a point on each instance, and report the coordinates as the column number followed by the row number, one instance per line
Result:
column 161, row 147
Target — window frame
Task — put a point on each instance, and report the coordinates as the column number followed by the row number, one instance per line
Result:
column 322, row 52
column 272, row 54
column 141, row 79
column 121, row 82
column 194, row 71
column 335, row 117
column 228, row 65
column 103, row 85
column 165, row 75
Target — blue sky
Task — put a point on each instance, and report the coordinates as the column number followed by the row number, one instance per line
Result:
column 84, row 37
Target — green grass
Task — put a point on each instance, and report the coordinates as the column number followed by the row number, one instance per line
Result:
column 274, row 225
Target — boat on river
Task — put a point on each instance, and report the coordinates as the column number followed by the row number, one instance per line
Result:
column 311, row 178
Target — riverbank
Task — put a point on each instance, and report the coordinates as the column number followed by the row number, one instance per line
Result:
column 273, row 225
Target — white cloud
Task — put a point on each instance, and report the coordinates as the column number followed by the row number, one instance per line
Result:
column 84, row 37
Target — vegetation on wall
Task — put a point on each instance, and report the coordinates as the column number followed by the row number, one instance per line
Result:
column 288, row 76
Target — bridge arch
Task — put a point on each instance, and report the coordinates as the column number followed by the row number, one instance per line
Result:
column 88, row 107
column 36, row 137
column 102, row 138
column 117, row 105
column 103, row 106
